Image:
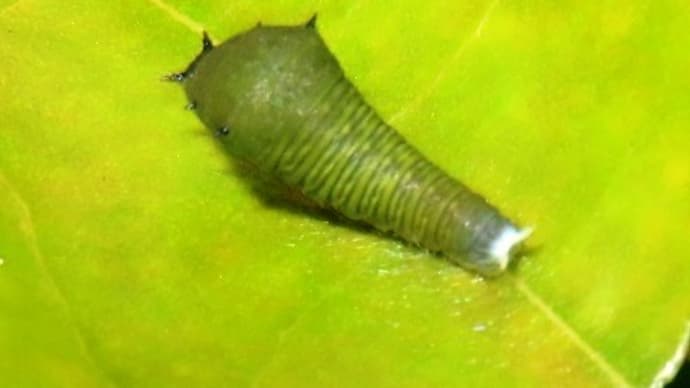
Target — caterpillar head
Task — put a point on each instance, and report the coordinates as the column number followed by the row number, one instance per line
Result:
column 257, row 83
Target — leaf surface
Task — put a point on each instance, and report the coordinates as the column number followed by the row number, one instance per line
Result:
column 134, row 253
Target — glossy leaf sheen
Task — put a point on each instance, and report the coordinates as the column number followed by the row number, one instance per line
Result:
column 134, row 253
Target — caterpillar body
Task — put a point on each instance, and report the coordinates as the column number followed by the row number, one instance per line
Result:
column 278, row 98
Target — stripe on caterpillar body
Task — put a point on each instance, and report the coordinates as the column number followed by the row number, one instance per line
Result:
column 278, row 98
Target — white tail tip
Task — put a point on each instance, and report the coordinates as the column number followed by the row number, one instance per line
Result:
column 502, row 247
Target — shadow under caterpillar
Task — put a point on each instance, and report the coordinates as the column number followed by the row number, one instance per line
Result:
column 278, row 99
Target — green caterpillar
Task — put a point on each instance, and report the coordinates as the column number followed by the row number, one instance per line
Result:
column 278, row 98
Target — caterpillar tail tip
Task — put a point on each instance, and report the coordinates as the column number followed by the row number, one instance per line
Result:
column 506, row 243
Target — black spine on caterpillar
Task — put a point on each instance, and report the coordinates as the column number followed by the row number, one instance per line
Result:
column 279, row 99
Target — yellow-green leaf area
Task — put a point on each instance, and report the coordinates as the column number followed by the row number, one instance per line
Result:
column 133, row 252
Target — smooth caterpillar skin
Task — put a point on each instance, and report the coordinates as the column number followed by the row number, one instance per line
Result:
column 278, row 98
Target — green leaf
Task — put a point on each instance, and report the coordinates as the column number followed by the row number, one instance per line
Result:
column 133, row 253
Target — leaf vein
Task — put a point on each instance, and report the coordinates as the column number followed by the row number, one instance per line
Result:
column 178, row 16
column 29, row 231
column 596, row 357
column 443, row 73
